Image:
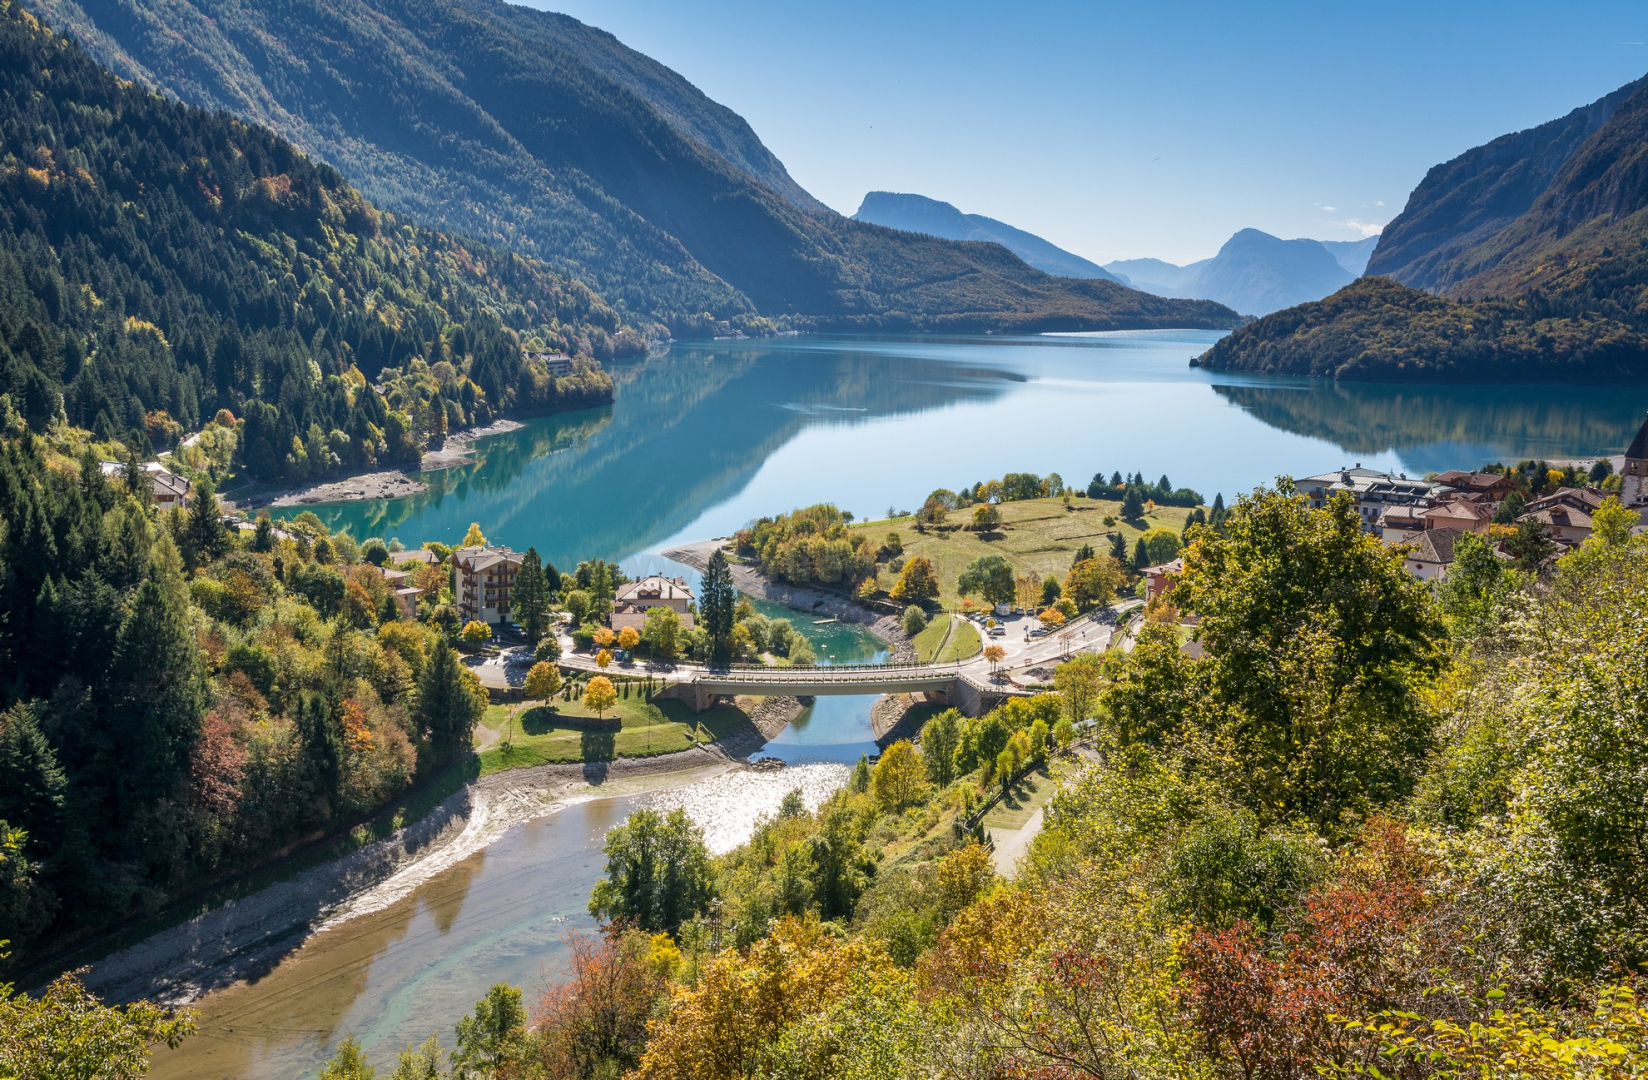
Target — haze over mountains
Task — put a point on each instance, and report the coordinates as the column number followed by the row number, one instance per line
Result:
column 1254, row 272
column 1524, row 259
column 537, row 133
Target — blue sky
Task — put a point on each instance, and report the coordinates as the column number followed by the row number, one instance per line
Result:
column 1125, row 130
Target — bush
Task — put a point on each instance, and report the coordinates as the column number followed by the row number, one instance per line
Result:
column 913, row 621
column 548, row 648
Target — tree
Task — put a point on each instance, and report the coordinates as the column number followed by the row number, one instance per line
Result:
column 917, row 583
column 995, row 654
column 657, row 872
column 204, row 535
column 1132, row 504
column 1314, row 637
column 1141, row 555
column 662, row 632
column 67, row 1034
column 603, row 658
column 1079, row 682
column 543, row 681
column 1530, row 545
column 1093, row 583
column 628, row 638
column 348, row 1062
column 492, row 1040
column 899, row 778
column 1475, row 584
column 474, row 537
column 600, row 695
column 450, row 700
column 548, row 648
column 375, row 551
column 603, row 636
column 939, row 739
column 913, row 621
column 1611, row 525
column 1510, row 509
column 594, row 1023
column 1118, row 548
column 530, row 597
column 476, row 632
column 158, row 698
column 990, row 577
column 1027, row 590
column 1052, row 618
column 986, row 518
column 1162, row 544
column 716, row 603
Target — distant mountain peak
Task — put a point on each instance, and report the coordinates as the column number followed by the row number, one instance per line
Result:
column 1254, row 272
column 920, row 214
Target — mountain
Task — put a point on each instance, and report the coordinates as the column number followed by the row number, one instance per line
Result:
column 919, row 214
column 1461, row 204
column 1522, row 260
column 1254, row 272
column 1353, row 255
column 537, row 133
column 159, row 262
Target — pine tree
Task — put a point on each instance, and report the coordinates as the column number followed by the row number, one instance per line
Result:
column 1118, row 548
column 447, row 707
column 204, row 537
column 1141, row 555
column 717, row 601
column 158, row 699
column 530, row 597
column 1132, row 504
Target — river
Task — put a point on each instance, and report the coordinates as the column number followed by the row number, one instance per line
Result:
column 704, row 437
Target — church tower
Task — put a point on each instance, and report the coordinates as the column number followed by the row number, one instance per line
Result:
column 1633, row 477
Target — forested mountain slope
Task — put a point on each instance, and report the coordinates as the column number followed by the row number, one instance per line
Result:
column 159, row 262
column 535, row 132
column 1538, row 243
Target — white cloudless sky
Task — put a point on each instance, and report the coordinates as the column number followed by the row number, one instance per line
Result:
column 1121, row 130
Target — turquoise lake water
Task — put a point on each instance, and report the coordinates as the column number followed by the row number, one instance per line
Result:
column 703, row 438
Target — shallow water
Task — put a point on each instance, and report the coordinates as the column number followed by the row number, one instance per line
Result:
column 703, row 438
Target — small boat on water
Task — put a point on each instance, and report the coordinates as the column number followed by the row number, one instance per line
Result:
column 824, row 622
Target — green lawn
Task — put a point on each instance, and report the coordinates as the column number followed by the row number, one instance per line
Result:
column 932, row 647
column 1035, row 534
column 541, row 737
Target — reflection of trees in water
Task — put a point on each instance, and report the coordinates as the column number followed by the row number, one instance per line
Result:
column 687, row 431
column 1429, row 424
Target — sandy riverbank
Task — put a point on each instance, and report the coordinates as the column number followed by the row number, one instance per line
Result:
column 384, row 484
column 801, row 598
column 245, row 938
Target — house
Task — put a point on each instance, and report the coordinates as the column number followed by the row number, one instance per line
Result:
column 486, row 578
column 420, row 555
column 171, row 491
column 1431, row 553
column 557, row 364
column 1370, row 491
column 1490, row 487
column 1466, row 515
column 634, row 598
column 406, row 594
column 1159, row 580
column 1566, row 512
column 1400, row 524
column 1633, row 473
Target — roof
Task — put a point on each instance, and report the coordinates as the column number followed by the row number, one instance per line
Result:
column 1435, row 546
column 1362, row 482
column 1471, row 481
column 423, row 555
column 1585, row 500
column 654, row 587
column 1639, row 445
column 480, row 558
column 1174, row 567
column 1566, row 516
column 1458, row 510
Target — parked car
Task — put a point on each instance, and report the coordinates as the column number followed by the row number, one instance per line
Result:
column 1040, row 631
column 997, row 631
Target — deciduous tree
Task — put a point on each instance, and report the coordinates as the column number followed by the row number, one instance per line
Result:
column 543, row 682
column 600, row 695
column 657, row 871
column 899, row 778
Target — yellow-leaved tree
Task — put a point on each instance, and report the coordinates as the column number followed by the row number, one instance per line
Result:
column 600, row 695
column 474, row 537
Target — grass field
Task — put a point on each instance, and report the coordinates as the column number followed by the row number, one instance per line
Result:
column 1028, row 795
column 933, row 647
column 1035, row 534
column 541, row 737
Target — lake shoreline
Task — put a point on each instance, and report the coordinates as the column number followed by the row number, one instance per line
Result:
column 458, row 449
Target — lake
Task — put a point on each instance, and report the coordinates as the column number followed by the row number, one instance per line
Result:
column 701, row 439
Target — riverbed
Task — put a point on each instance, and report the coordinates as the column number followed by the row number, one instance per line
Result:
column 701, row 439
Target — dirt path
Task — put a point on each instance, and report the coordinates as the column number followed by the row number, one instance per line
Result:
column 1011, row 844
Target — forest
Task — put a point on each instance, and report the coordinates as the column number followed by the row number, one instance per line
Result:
column 160, row 264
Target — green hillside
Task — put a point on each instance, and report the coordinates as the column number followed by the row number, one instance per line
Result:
column 535, row 132
column 159, row 263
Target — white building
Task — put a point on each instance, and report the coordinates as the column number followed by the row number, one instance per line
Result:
column 486, row 580
column 1370, row 491
column 171, row 491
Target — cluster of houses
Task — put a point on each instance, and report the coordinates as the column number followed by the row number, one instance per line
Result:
column 1426, row 518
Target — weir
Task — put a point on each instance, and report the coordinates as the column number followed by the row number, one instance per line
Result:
column 946, row 685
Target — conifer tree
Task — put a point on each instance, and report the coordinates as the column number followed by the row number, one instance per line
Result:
column 447, row 706
column 204, row 537
column 158, row 698
column 531, row 597
column 717, row 601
